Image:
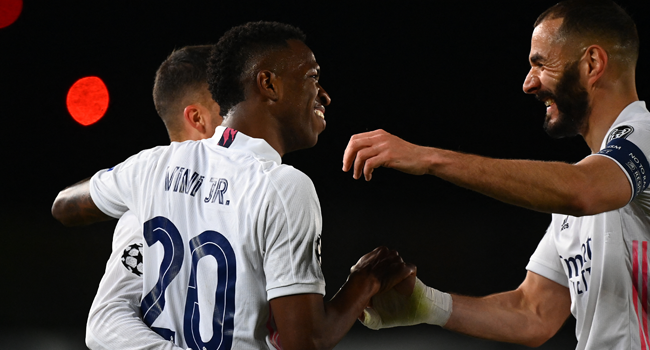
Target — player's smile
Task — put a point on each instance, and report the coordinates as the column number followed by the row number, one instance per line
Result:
column 319, row 110
column 548, row 98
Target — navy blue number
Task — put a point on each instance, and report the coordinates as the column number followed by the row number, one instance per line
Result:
column 160, row 229
column 208, row 243
column 211, row 243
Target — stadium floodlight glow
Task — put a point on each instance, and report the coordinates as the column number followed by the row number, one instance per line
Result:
column 87, row 100
column 9, row 11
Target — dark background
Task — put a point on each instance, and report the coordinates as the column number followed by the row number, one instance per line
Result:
column 447, row 75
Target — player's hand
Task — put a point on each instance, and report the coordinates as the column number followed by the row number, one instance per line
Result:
column 423, row 305
column 370, row 150
column 386, row 267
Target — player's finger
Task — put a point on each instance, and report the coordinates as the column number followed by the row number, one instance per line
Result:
column 405, row 287
column 370, row 259
column 356, row 143
column 363, row 156
column 394, row 271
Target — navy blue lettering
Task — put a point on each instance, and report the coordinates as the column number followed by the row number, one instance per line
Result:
column 219, row 187
column 579, row 268
column 183, row 182
column 632, row 160
column 169, row 177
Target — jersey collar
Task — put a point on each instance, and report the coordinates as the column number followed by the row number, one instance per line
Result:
column 234, row 139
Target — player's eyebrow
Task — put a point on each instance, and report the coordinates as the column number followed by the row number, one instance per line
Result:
column 536, row 58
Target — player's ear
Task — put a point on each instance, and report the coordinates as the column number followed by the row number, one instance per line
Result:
column 193, row 117
column 268, row 84
column 595, row 62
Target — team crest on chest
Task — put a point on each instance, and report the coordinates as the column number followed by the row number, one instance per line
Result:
column 620, row 132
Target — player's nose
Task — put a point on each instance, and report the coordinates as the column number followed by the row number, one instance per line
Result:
column 323, row 97
column 531, row 83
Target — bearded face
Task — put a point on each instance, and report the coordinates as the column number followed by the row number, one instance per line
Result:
column 572, row 102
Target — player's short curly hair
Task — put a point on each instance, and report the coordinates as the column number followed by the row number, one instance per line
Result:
column 183, row 72
column 597, row 20
column 237, row 50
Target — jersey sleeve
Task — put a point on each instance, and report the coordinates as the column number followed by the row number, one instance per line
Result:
column 114, row 320
column 545, row 260
column 629, row 146
column 113, row 190
column 292, row 248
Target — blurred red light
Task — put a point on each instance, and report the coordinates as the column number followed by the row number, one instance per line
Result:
column 87, row 100
column 9, row 11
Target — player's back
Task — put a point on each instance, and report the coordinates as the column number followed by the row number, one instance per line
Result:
column 227, row 228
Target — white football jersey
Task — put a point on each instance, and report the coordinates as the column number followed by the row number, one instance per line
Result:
column 603, row 258
column 226, row 228
column 114, row 320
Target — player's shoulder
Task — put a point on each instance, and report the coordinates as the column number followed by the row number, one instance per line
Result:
column 145, row 156
column 634, row 119
column 287, row 179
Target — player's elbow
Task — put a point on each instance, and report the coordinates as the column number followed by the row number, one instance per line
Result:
column 592, row 203
column 59, row 210
column 539, row 337
column 64, row 210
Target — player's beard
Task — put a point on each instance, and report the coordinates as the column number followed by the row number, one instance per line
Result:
column 572, row 101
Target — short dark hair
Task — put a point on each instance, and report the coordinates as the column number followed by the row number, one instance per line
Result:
column 237, row 50
column 183, row 72
column 596, row 19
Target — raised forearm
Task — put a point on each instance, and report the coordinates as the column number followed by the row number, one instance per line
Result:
column 553, row 187
column 594, row 185
column 74, row 207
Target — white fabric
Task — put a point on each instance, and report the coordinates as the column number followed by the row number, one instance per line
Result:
column 195, row 192
column 603, row 259
column 114, row 321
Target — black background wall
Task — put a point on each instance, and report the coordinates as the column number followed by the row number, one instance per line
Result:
column 445, row 75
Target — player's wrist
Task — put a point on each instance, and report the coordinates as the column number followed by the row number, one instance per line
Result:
column 433, row 306
column 432, row 158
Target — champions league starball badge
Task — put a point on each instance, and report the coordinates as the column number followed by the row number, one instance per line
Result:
column 620, row 132
column 132, row 259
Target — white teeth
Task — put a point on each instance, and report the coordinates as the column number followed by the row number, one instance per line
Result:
column 548, row 102
column 320, row 113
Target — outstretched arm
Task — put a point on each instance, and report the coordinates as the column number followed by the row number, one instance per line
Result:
column 304, row 321
column 529, row 315
column 74, row 207
column 594, row 185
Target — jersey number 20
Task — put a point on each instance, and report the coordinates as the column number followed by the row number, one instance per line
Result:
column 208, row 243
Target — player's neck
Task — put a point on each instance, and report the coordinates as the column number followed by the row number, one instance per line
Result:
column 606, row 106
column 257, row 122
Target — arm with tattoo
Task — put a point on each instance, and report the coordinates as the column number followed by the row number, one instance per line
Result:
column 74, row 207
